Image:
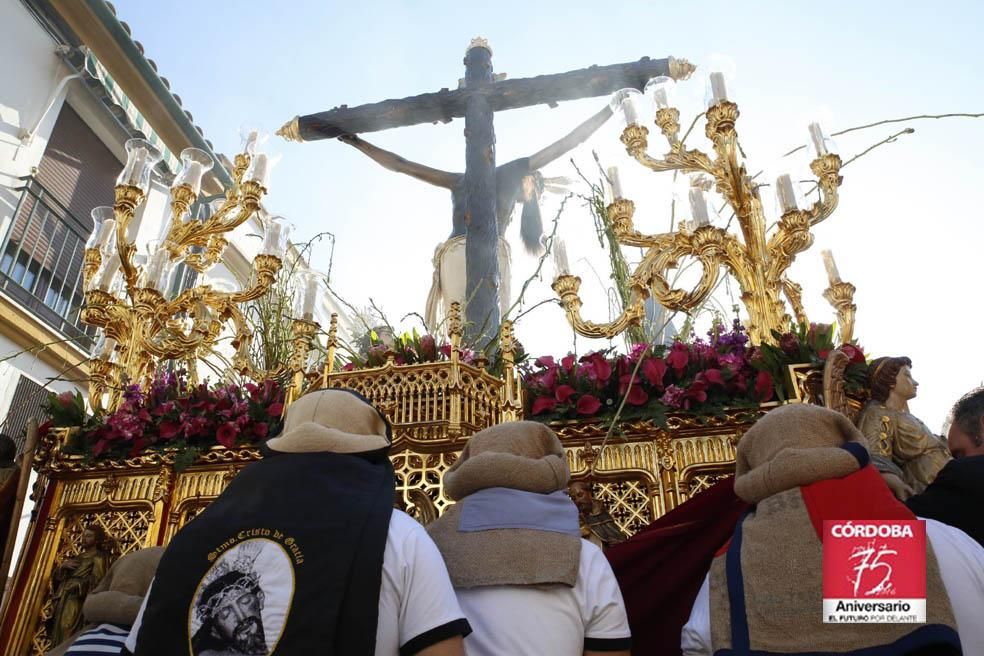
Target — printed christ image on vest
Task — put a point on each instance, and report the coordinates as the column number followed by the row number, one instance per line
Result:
column 236, row 610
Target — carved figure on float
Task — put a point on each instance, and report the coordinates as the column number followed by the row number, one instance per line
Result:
column 896, row 438
column 518, row 181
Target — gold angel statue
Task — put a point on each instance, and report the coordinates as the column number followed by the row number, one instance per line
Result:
column 896, row 437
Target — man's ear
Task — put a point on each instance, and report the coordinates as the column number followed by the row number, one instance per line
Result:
column 260, row 598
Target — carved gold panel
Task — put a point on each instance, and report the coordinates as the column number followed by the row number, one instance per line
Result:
column 641, row 473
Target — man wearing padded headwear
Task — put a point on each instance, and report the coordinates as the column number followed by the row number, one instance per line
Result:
column 528, row 583
column 303, row 554
column 798, row 466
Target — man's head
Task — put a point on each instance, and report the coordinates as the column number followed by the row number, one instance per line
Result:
column 231, row 609
column 8, row 449
column 966, row 436
column 581, row 495
column 93, row 537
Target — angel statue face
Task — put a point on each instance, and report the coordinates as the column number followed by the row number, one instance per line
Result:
column 905, row 384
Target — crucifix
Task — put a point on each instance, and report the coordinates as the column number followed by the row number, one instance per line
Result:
column 484, row 196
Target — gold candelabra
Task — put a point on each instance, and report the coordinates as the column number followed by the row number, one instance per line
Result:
column 129, row 300
column 757, row 260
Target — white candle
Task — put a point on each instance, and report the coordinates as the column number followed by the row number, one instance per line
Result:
column 560, row 258
column 191, row 175
column 310, row 296
column 616, row 183
column 261, row 170
column 719, row 91
column 155, row 273
column 271, row 240
column 818, row 138
column 833, row 276
column 698, row 207
column 108, row 273
column 786, row 193
column 251, row 140
column 661, row 98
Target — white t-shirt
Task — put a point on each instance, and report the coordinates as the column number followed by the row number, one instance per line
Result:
column 554, row 620
column 961, row 561
column 416, row 601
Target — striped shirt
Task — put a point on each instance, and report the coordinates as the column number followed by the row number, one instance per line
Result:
column 103, row 639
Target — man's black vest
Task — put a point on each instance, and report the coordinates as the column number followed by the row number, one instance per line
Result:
column 287, row 560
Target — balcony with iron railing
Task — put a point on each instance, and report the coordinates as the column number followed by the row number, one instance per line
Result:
column 41, row 261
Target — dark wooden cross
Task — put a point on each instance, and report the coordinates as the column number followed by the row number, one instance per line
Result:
column 477, row 99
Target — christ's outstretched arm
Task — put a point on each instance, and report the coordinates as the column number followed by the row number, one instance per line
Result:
column 573, row 139
column 394, row 162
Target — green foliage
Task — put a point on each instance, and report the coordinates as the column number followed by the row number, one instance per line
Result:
column 66, row 409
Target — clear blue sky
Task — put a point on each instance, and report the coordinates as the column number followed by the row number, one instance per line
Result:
column 907, row 233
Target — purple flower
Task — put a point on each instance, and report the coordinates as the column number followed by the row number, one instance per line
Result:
column 732, row 361
column 673, row 396
column 637, row 351
column 127, row 425
column 133, row 394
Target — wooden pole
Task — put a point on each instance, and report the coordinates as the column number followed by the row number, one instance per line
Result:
column 482, row 237
column 30, row 444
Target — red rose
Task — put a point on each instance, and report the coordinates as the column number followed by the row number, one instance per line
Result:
column 546, row 361
column 168, row 429
column 428, row 348
column 713, row 376
column 679, row 356
column 588, row 404
column 637, row 395
column 226, row 435
column 568, row 362
column 764, row 387
column 549, row 379
column 543, row 404
column 654, row 369
column 260, row 430
column 854, row 353
column 276, row 410
column 564, row 392
column 696, row 392
column 597, row 367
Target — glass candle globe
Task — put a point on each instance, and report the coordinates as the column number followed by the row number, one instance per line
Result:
column 141, row 158
column 630, row 105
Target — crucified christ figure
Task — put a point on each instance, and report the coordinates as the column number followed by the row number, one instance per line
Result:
column 518, row 181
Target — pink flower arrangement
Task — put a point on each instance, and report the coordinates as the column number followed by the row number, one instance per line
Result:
column 408, row 348
column 699, row 376
column 172, row 414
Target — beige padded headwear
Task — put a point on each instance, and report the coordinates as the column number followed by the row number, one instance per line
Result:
column 792, row 446
column 334, row 421
column 522, row 455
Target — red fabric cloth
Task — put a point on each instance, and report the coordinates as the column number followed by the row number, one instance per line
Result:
column 862, row 495
column 661, row 568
